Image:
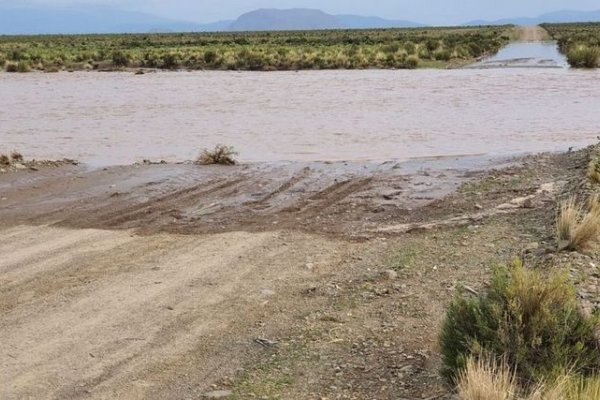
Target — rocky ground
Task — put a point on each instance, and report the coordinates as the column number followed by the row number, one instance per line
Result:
column 317, row 281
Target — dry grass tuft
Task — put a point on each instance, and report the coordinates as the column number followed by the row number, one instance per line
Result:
column 222, row 155
column 593, row 171
column 485, row 380
column 577, row 229
column 593, row 204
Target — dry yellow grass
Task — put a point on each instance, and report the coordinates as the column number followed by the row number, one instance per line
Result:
column 594, row 204
column 576, row 228
column 593, row 172
column 486, row 380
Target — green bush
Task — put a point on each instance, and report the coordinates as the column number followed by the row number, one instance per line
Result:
column 170, row 61
column 584, row 57
column 120, row 59
column 23, row 66
column 531, row 321
column 210, row 56
column 442, row 55
column 411, row 62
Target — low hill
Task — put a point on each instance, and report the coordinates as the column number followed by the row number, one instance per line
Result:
column 563, row 16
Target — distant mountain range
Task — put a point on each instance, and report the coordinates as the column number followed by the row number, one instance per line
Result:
column 557, row 17
column 37, row 20
column 303, row 18
column 15, row 21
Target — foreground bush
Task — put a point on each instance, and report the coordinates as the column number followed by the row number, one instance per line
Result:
column 222, row 155
column 530, row 321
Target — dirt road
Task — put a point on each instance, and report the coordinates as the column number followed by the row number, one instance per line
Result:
column 532, row 34
column 112, row 315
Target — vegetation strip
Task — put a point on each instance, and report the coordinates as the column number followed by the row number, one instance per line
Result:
column 260, row 51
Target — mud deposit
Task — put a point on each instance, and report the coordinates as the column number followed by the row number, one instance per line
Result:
column 347, row 199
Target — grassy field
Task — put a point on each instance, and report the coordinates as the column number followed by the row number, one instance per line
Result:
column 261, row 51
column 580, row 42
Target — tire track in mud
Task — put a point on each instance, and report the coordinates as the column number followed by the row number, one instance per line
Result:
column 329, row 196
column 149, row 211
column 265, row 202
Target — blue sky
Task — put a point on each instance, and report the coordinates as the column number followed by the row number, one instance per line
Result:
column 438, row 12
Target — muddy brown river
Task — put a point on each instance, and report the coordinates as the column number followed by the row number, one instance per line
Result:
column 119, row 118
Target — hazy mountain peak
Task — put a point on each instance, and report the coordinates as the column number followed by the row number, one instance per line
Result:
column 267, row 19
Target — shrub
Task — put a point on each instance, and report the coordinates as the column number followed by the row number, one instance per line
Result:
column 23, row 66
column 583, row 57
column 531, row 321
column 11, row 67
column 576, row 228
column 210, row 56
column 170, row 61
column 4, row 160
column 412, row 62
column 223, row 155
column 442, row 55
column 410, row 48
column 120, row 59
column 16, row 156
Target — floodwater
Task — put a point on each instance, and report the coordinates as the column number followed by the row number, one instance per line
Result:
column 119, row 118
column 542, row 54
